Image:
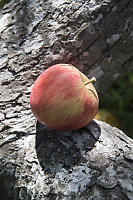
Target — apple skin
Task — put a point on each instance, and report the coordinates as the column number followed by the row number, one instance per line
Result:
column 60, row 100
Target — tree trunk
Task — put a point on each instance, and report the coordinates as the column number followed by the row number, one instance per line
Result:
column 94, row 162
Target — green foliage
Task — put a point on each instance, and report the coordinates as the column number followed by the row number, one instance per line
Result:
column 3, row 2
column 119, row 101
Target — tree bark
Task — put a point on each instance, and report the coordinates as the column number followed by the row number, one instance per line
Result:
column 95, row 162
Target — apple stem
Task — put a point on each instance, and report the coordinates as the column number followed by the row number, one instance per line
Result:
column 90, row 81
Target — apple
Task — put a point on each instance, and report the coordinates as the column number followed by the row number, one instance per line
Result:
column 63, row 98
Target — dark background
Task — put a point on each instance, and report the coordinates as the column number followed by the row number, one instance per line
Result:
column 116, row 104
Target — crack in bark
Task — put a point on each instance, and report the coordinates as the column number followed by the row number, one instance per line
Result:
column 106, row 151
column 126, row 5
column 12, row 100
column 19, row 135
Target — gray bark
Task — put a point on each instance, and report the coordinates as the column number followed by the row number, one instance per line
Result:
column 95, row 162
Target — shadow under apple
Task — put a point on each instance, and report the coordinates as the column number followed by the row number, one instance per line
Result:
column 64, row 149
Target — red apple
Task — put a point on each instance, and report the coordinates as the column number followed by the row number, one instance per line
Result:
column 63, row 98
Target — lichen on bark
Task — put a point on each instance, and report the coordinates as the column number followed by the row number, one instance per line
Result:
column 92, row 163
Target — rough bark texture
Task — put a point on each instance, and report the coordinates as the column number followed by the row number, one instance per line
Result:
column 95, row 162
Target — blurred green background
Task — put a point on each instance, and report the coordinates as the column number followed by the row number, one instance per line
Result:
column 3, row 2
column 116, row 105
